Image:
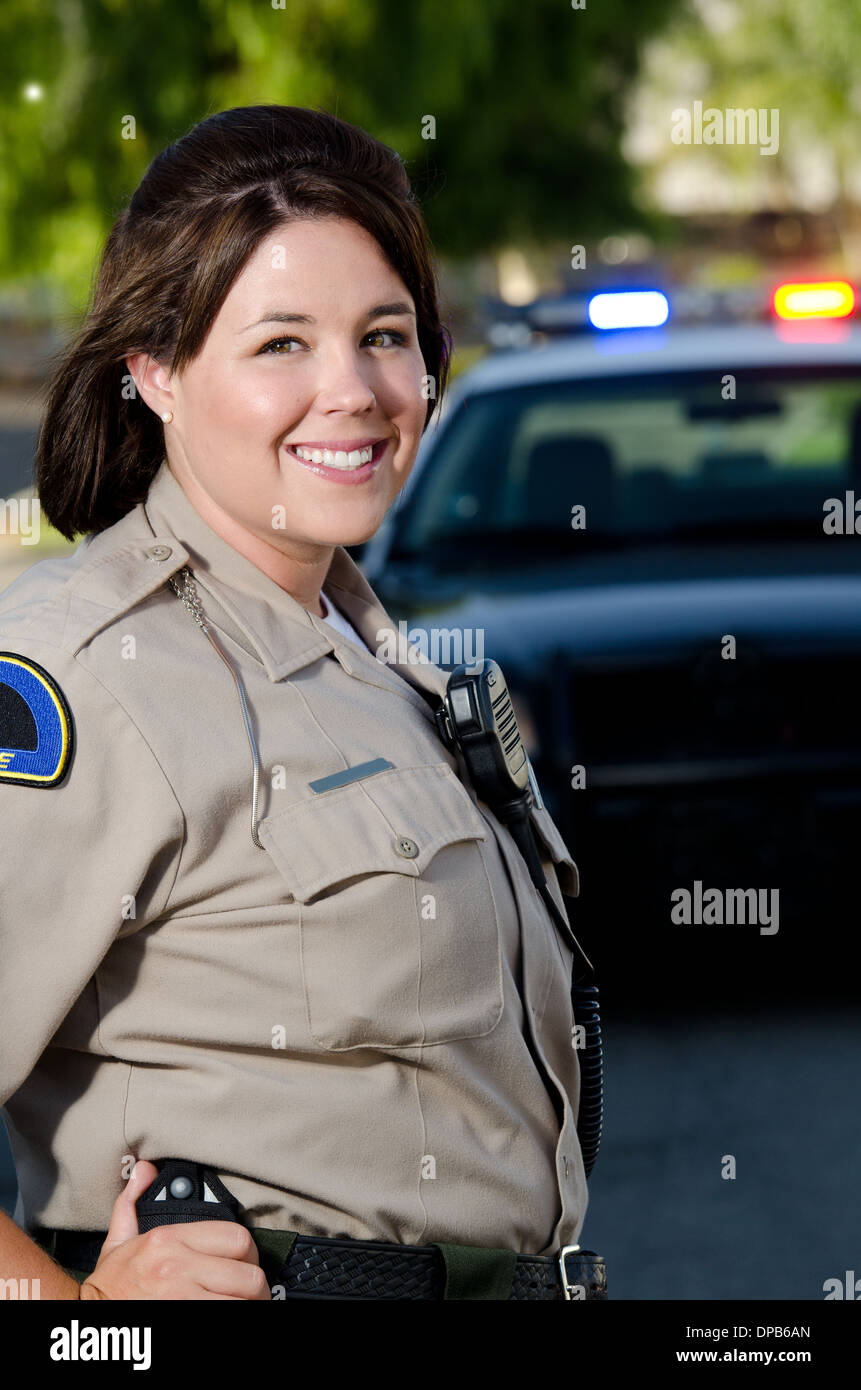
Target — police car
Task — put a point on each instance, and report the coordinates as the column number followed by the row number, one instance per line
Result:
column 654, row 527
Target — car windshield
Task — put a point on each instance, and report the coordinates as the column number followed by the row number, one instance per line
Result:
column 570, row 468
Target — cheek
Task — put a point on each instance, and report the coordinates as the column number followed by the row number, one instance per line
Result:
column 404, row 400
column 234, row 402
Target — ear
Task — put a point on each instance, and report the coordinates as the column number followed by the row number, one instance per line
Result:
column 152, row 382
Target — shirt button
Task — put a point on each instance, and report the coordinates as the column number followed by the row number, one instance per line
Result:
column 159, row 552
column 406, row 847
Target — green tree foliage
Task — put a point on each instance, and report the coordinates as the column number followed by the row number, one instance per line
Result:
column 798, row 58
column 528, row 101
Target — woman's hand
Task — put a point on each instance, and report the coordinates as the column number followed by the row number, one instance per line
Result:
column 193, row 1259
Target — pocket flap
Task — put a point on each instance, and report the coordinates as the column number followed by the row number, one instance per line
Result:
column 353, row 830
column 566, row 869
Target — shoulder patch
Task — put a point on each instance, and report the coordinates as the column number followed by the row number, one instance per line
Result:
column 36, row 731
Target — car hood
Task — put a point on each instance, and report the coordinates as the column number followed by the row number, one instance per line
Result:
column 816, row 611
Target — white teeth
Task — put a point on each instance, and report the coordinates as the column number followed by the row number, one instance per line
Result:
column 339, row 459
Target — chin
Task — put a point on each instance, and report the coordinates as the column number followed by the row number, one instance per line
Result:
column 351, row 531
column 355, row 535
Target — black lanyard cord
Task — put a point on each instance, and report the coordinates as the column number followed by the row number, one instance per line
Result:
column 584, row 993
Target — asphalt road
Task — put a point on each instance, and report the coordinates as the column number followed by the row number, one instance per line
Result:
column 778, row 1091
column 19, row 424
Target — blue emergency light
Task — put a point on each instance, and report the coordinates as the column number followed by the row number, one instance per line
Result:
column 628, row 309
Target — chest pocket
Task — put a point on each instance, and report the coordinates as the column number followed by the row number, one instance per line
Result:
column 400, row 929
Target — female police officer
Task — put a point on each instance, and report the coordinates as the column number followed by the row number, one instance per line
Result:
column 253, row 915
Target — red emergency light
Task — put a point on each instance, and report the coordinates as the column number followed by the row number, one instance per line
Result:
column 814, row 299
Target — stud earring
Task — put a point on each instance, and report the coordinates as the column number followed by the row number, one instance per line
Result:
column 167, row 416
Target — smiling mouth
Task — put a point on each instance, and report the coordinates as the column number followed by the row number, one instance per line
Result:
column 344, row 460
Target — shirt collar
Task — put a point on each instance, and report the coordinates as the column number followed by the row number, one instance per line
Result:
column 283, row 634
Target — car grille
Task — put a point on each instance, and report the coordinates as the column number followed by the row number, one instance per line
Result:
column 741, row 775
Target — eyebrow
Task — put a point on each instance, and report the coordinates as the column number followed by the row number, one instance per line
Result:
column 399, row 307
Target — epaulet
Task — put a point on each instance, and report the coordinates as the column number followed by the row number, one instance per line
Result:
column 67, row 601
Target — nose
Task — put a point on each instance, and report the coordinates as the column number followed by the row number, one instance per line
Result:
column 344, row 382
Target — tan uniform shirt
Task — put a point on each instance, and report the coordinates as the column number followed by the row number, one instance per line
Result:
column 359, row 1043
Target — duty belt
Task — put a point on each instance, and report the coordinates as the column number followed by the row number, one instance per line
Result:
column 321, row 1267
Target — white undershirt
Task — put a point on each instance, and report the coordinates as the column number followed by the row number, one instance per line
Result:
column 335, row 618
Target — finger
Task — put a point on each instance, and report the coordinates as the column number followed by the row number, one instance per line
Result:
column 192, row 1292
column 217, row 1275
column 124, row 1220
column 229, row 1239
column 234, row 1278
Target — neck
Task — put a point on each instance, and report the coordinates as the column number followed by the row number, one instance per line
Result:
column 301, row 573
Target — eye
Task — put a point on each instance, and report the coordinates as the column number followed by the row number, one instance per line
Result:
column 399, row 338
column 276, row 342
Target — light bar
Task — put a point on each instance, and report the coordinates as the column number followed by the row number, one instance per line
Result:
column 628, row 309
column 822, row 299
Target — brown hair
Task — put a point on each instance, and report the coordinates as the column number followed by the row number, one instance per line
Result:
column 202, row 208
